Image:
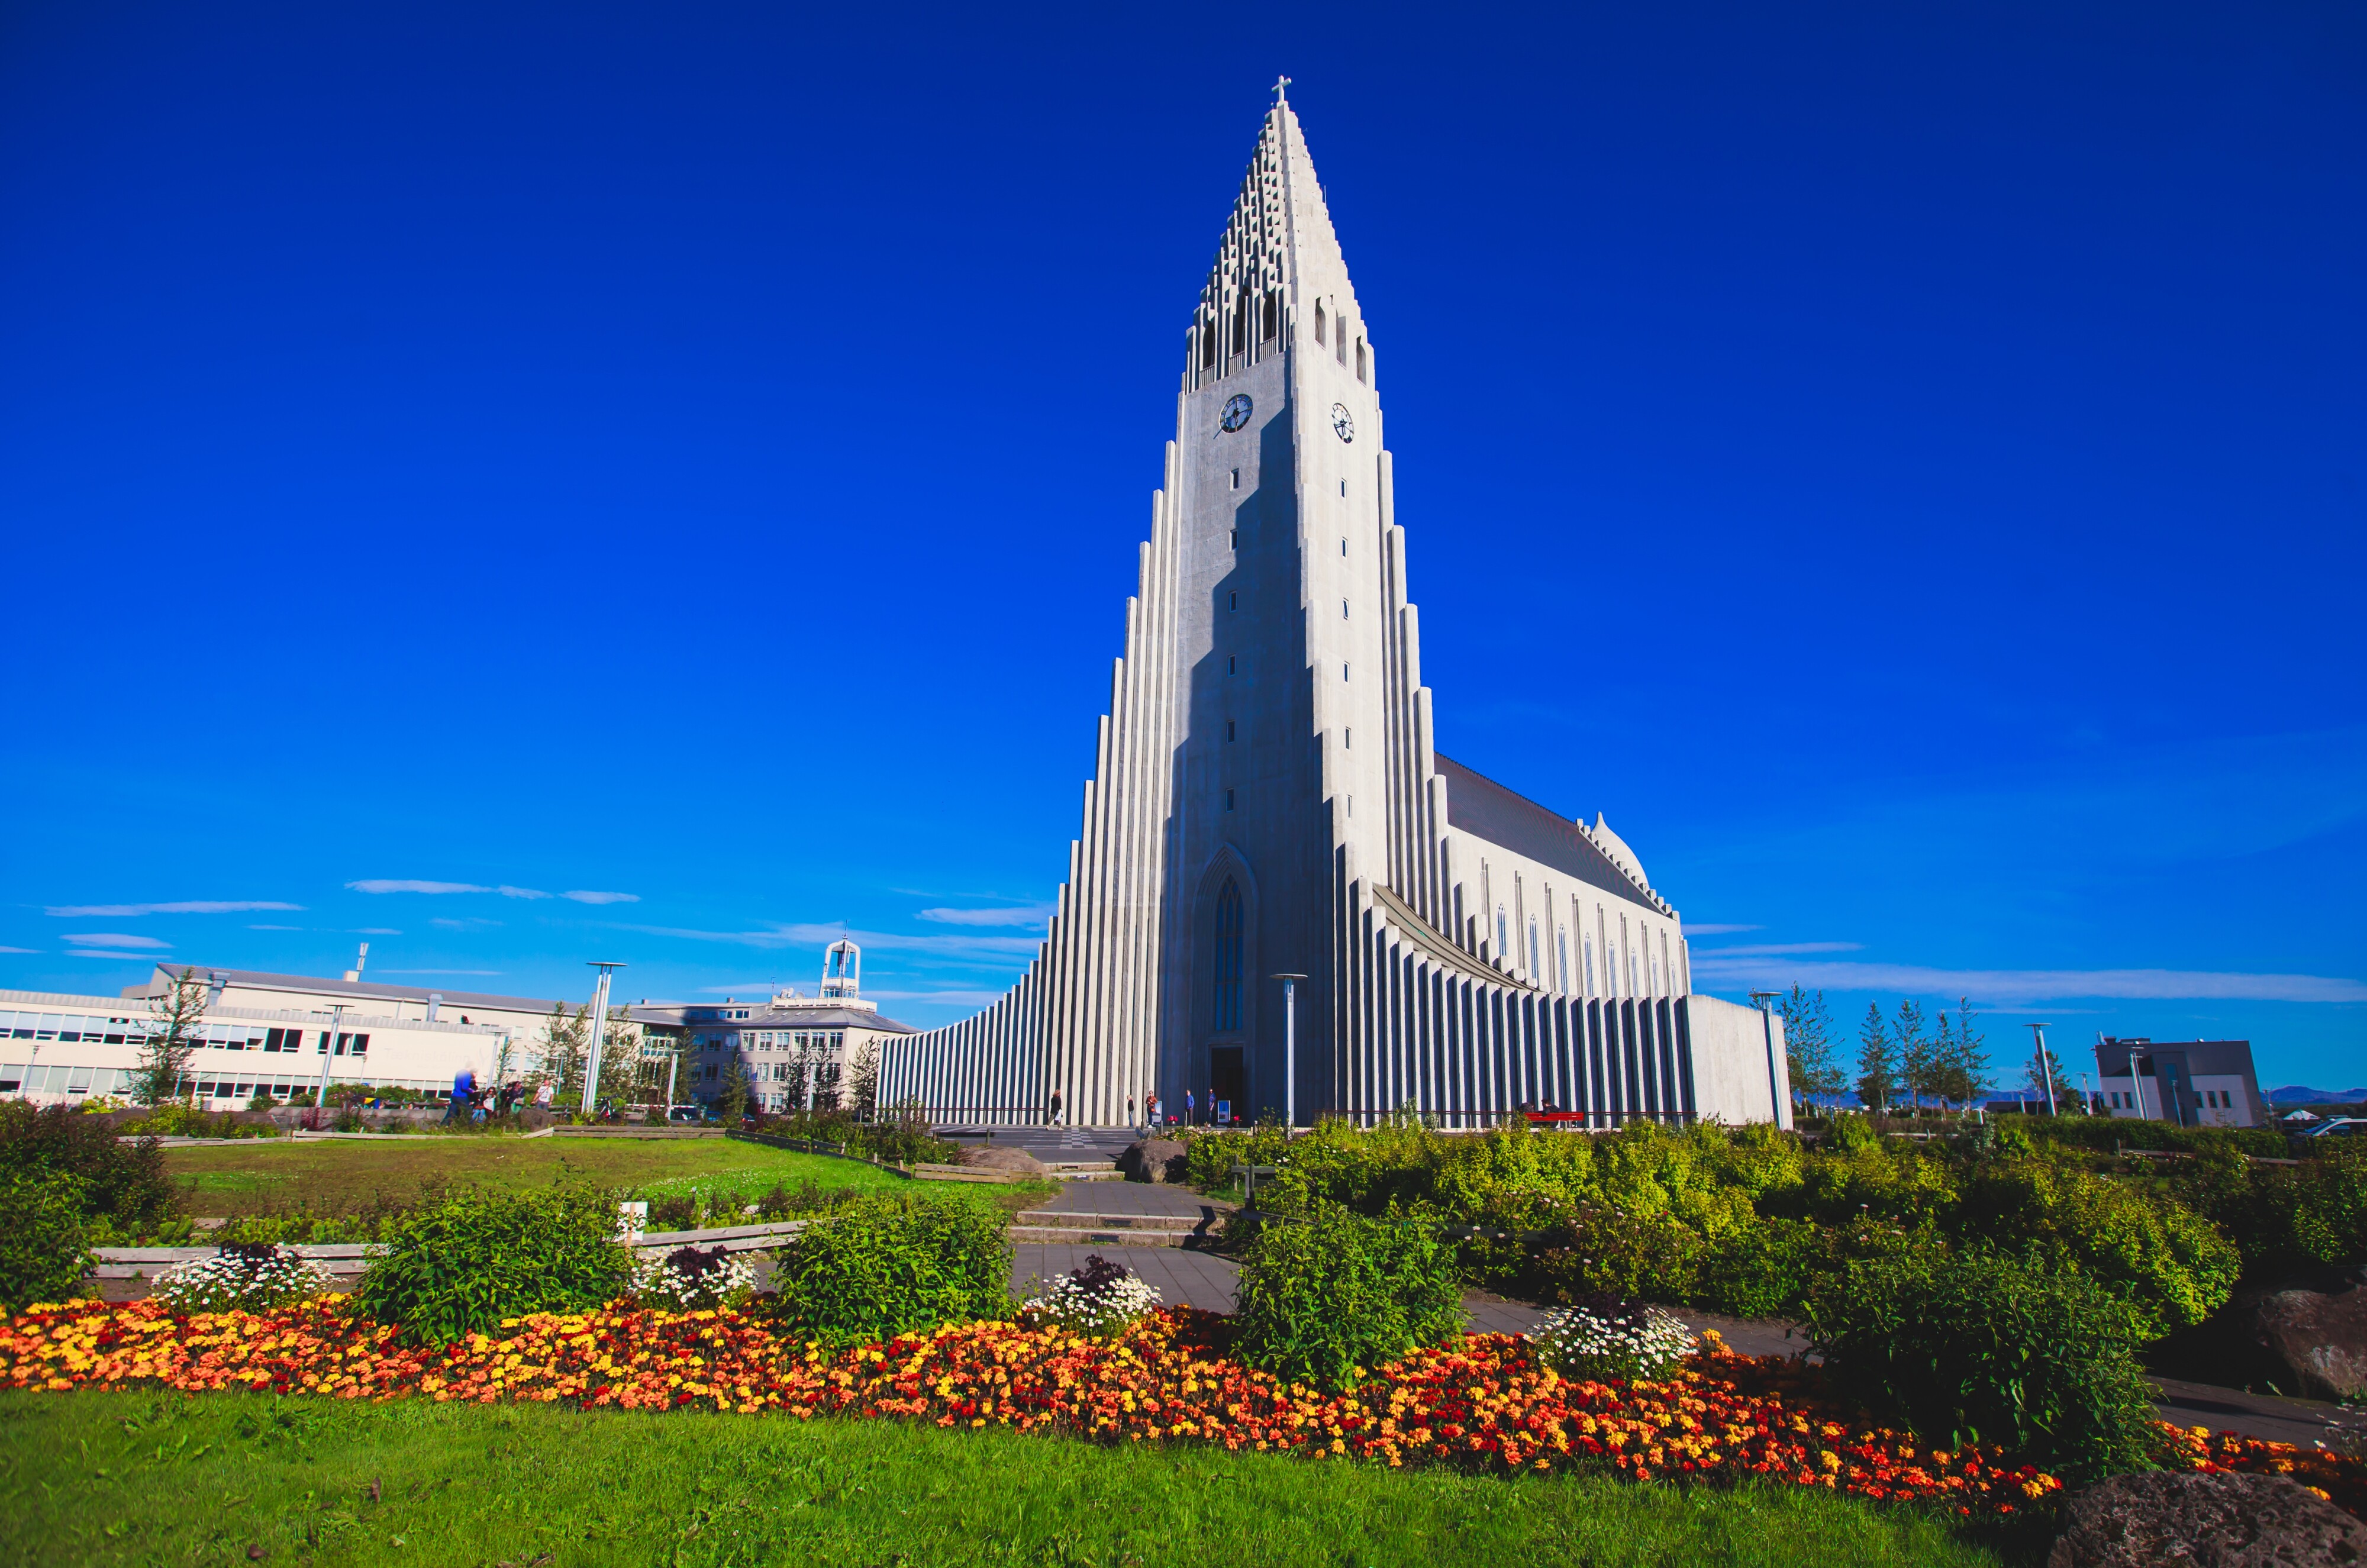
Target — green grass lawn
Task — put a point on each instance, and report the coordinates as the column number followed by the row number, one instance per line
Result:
column 273, row 1176
column 131, row 1478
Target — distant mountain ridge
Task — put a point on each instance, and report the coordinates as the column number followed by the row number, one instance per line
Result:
column 2297, row 1094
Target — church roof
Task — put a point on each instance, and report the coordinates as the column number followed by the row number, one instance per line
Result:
column 1279, row 240
column 1486, row 809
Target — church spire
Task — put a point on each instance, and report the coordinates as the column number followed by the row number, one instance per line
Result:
column 1278, row 255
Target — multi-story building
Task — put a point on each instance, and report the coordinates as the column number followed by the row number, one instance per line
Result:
column 2195, row 1083
column 63, row 1049
column 797, row 1052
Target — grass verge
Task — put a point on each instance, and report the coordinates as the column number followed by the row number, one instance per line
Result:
column 134, row 1478
column 273, row 1176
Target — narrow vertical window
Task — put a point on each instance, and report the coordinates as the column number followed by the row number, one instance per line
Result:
column 1344, row 671
column 1273, row 322
column 1229, row 800
column 1229, row 954
column 1343, row 609
column 1344, row 490
column 1228, row 730
column 1236, row 479
column 1536, row 956
column 1343, row 549
column 1340, row 344
column 1561, row 960
column 1208, row 346
column 1232, row 664
column 1362, row 373
column 1504, row 932
column 1347, row 739
column 1319, row 321
column 1237, row 539
column 1233, row 600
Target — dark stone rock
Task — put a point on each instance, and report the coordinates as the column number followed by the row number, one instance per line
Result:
column 2319, row 1339
column 1001, row 1156
column 2165, row 1517
column 1152, row 1160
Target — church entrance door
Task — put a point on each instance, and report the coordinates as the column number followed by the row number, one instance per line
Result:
column 1225, row 1078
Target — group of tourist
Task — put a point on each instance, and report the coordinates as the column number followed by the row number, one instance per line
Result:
column 1149, row 1121
column 473, row 1103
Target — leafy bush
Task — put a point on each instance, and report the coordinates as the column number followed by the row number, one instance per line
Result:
column 177, row 1120
column 2170, row 1262
column 1614, row 1252
column 1763, row 1271
column 689, row 1280
column 1606, row 1338
column 1979, row 1345
column 1099, row 1298
column 461, row 1264
column 894, row 1264
column 118, row 1179
column 1323, row 1298
column 247, row 1276
column 45, row 1246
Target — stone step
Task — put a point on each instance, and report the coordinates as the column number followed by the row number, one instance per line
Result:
column 1087, row 1219
column 1081, row 1236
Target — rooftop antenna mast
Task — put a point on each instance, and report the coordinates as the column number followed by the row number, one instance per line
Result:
column 359, row 959
column 841, row 969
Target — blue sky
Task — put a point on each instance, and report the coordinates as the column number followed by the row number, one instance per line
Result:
column 1906, row 466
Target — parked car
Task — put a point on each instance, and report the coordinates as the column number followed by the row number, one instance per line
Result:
column 2337, row 1127
column 695, row 1114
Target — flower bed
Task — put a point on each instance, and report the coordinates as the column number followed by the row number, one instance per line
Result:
column 1491, row 1402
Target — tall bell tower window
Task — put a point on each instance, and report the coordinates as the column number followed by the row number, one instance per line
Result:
column 1229, row 957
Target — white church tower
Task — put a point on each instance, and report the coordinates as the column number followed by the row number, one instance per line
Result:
column 1266, row 799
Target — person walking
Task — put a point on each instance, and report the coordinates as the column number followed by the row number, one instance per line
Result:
column 1054, row 1119
column 1191, row 1108
column 464, row 1090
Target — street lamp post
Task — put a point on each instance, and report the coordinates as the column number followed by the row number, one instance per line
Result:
column 599, row 1028
column 328, row 1054
column 2046, row 1066
column 1289, row 1048
column 1775, row 1105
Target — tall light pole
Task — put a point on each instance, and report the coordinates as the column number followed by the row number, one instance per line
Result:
column 599, row 1028
column 2046, row 1066
column 328, row 1054
column 1289, row 1048
column 2137, row 1090
column 1767, row 1030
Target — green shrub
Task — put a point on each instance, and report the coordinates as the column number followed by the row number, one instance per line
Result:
column 1763, row 1271
column 120, row 1180
column 45, row 1246
column 461, row 1264
column 894, row 1264
column 1321, row 1299
column 1981, row 1346
column 2170, row 1262
column 1645, row 1256
column 174, row 1120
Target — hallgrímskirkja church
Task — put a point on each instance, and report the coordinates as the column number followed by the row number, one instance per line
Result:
column 1266, row 800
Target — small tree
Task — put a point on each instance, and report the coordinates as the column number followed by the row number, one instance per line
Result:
column 2035, row 1077
column 176, row 1029
column 1877, row 1065
column 1966, row 1064
column 1914, row 1052
column 560, row 1050
column 863, row 1082
column 733, row 1099
column 1808, row 1044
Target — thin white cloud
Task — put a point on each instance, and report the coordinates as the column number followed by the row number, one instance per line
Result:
column 96, row 952
column 506, row 891
column 114, row 939
column 2003, row 986
column 190, row 907
column 581, row 896
column 473, row 923
column 275, row 928
column 1022, row 915
column 439, row 971
column 20, row 949
column 1691, row 929
column 359, row 930
column 1776, row 949
column 400, row 885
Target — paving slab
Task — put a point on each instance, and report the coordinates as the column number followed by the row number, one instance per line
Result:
column 1130, row 1198
column 1181, row 1278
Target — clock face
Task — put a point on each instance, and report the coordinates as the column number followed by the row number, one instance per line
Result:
column 1342, row 423
column 1237, row 412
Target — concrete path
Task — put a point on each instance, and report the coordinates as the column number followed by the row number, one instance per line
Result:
column 1130, row 1198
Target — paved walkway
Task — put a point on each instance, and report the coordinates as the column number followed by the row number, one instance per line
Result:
column 1182, row 1278
column 1129, row 1198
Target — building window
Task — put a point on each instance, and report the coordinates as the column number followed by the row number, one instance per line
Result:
column 1536, row 954
column 1229, row 800
column 1233, row 600
column 1340, row 344
column 1347, row 740
column 1343, row 549
column 1319, row 321
column 1207, row 347
column 1362, row 373
column 1237, row 539
column 1228, row 730
column 1232, row 664
column 1229, row 957
column 1344, row 671
column 1504, row 932
column 1236, row 479
column 1343, row 609
column 1272, row 322
column 1344, row 490
column 1561, row 959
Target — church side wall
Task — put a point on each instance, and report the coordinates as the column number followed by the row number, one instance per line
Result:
column 1730, row 1064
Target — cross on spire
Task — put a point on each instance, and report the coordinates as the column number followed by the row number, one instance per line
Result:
column 1279, row 83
